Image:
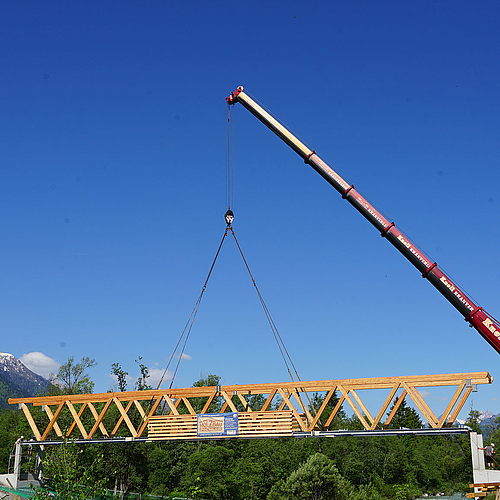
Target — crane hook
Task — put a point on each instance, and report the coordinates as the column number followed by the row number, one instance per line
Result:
column 229, row 216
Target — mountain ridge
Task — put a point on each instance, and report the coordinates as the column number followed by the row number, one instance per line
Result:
column 16, row 380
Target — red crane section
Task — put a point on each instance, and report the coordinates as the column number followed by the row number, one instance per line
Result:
column 486, row 325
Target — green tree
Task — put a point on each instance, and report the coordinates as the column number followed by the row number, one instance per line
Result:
column 121, row 376
column 316, row 479
column 473, row 420
column 13, row 425
column 367, row 492
column 208, row 473
column 124, row 467
column 167, row 465
column 68, row 477
column 210, row 380
column 402, row 491
column 340, row 418
column 405, row 416
column 199, row 403
column 495, row 435
column 71, row 377
column 142, row 384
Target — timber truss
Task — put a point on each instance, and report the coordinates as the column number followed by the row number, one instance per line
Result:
column 256, row 410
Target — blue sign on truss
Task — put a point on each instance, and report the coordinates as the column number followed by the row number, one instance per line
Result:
column 217, row 424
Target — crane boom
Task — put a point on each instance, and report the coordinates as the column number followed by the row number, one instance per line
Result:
column 485, row 324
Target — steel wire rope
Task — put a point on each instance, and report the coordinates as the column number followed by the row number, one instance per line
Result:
column 228, row 203
column 230, row 128
column 281, row 344
column 188, row 327
column 229, row 156
column 189, row 324
column 277, row 337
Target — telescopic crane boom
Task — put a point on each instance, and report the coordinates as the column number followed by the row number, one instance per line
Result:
column 485, row 324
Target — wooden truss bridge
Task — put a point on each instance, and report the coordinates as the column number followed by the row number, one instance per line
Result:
column 229, row 411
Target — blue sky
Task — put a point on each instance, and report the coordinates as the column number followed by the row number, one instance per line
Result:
column 113, row 185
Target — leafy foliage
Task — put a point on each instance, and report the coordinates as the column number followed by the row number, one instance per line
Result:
column 125, row 467
column 69, row 478
column 199, row 403
column 316, row 479
column 405, row 416
column 71, row 377
column 206, row 473
column 473, row 420
column 9, row 390
column 340, row 418
column 121, row 376
column 142, row 384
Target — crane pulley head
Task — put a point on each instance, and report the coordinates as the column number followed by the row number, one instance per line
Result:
column 229, row 216
column 233, row 98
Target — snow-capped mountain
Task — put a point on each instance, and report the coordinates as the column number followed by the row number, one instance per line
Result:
column 485, row 418
column 18, row 381
column 486, row 415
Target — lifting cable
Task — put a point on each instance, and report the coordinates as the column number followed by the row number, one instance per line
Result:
column 279, row 341
column 229, row 156
column 229, row 217
column 189, row 324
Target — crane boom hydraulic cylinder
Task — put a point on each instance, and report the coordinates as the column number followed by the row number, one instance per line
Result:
column 486, row 325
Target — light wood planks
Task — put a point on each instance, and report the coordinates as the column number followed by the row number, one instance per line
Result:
column 484, row 490
column 250, row 424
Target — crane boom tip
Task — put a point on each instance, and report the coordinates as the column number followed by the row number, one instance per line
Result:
column 233, row 98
